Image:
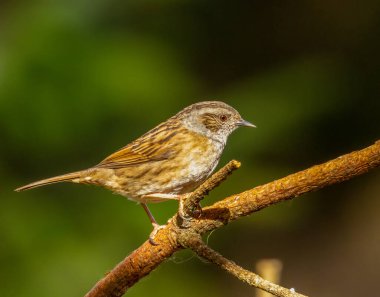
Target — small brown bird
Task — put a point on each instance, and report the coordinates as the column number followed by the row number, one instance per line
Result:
column 170, row 160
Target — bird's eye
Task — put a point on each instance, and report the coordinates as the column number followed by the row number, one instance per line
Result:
column 223, row 117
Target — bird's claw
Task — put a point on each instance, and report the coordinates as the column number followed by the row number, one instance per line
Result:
column 184, row 214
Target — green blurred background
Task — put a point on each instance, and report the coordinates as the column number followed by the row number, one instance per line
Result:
column 80, row 79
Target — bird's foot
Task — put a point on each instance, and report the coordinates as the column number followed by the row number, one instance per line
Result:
column 188, row 211
column 156, row 229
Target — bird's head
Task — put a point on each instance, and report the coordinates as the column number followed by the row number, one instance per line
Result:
column 214, row 119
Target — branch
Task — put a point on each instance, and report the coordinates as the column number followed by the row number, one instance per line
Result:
column 147, row 257
column 194, row 242
column 312, row 179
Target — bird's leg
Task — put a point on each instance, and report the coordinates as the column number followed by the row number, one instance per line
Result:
column 156, row 197
column 156, row 226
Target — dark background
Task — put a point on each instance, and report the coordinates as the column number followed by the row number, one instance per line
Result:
column 80, row 79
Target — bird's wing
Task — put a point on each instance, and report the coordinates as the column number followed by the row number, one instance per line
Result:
column 151, row 147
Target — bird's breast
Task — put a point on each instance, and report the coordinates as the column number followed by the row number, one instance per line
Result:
column 196, row 159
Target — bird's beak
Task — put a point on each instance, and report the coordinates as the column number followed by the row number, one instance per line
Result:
column 245, row 124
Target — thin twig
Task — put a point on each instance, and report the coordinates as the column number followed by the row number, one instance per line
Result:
column 194, row 241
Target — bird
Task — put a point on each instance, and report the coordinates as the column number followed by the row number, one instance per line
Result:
column 167, row 162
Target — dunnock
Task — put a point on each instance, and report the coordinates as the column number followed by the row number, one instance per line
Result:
column 170, row 160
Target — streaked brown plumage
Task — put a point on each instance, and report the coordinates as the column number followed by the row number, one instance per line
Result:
column 168, row 161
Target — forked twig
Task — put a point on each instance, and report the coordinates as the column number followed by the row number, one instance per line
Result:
column 189, row 206
column 147, row 257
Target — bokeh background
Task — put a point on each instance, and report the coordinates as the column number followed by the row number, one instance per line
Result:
column 80, row 79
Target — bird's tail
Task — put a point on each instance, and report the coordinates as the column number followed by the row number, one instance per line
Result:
column 56, row 179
